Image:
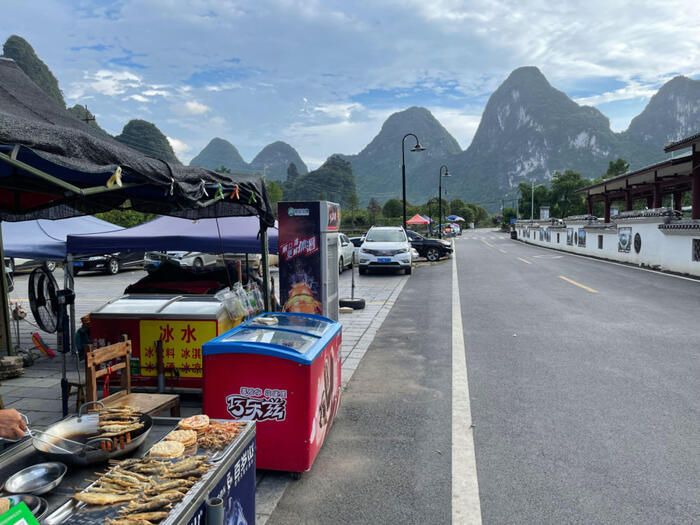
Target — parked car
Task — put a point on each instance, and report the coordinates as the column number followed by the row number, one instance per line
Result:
column 151, row 260
column 357, row 242
column 17, row 265
column 431, row 249
column 386, row 247
column 345, row 251
column 110, row 263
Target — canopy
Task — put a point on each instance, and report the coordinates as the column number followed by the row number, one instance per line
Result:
column 455, row 218
column 46, row 240
column 53, row 166
column 427, row 218
column 417, row 219
column 238, row 235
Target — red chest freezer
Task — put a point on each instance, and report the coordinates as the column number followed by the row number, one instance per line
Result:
column 281, row 370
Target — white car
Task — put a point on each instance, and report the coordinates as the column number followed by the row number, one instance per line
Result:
column 386, row 247
column 189, row 259
column 345, row 251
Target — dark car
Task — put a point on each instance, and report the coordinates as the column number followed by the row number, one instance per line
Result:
column 431, row 249
column 109, row 263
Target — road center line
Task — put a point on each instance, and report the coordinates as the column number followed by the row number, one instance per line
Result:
column 466, row 508
column 501, row 250
column 487, row 243
column 578, row 284
column 524, row 260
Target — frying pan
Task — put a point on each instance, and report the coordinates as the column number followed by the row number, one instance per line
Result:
column 84, row 429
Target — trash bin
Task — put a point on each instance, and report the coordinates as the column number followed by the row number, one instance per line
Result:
column 281, row 370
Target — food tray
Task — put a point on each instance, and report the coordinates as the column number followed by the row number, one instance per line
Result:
column 77, row 513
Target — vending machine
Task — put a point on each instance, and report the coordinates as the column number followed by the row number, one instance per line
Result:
column 308, row 257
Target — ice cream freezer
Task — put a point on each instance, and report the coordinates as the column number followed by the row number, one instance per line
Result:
column 281, row 370
column 183, row 323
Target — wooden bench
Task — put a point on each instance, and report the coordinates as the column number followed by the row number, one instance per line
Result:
column 151, row 404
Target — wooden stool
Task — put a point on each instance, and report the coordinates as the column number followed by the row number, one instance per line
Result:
column 79, row 392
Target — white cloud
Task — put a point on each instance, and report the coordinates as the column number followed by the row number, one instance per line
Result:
column 179, row 147
column 461, row 125
column 633, row 90
column 137, row 98
column 156, row 93
column 104, row 82
column 226, row 86
column 190, row 107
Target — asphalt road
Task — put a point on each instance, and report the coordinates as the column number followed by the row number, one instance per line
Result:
column 585, row 393
column 387, row 458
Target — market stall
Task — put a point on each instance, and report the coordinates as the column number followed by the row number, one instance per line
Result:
column 182, row 323
column 164, row 479
column 283, row 371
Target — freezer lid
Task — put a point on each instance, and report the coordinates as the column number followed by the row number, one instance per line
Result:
column 300, row 343
column 133, row 304
column 194, row 305
column 311, row 324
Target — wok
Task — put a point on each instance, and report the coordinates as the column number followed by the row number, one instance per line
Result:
column 84, row 429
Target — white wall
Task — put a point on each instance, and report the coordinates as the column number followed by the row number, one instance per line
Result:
column 660, row 249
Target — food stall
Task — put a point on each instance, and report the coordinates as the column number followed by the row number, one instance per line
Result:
column 221, row 485
column 182, row 322
column 281, row 370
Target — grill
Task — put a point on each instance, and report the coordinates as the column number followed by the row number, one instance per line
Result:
column 383, row 253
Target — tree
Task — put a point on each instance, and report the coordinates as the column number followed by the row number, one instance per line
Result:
column 565, row 202
column 274, row 193
column 292, row 172
column 222, row 169
column 354, row 203
column 393, row 208
column 374, row 210
column 480, row 217
column 542, row 198
column 508, row 214
column 619, row 167
column 125, row 217
column 334, row 180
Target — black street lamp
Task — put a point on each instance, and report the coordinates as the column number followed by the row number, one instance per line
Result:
column 417, row 147
column 447, row 174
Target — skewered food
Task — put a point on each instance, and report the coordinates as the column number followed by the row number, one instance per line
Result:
column 219, row 435
column 103, row 498
column 127, row 521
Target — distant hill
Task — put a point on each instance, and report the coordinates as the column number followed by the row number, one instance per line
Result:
column 82, row 113
column 333, row 181
column 18, row 49
column 378, row 166
column 275, row 158
column 148, row 139
column 220, row 152
column 671, row 114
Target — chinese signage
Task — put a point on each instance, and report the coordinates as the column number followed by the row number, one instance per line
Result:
column 292, row 249
column 182, row 346
column 257, row 404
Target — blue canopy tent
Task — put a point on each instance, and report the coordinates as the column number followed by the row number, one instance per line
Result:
column 238, row 235
column 46, row 240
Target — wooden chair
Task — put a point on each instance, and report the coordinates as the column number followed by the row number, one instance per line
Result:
column 151, row 404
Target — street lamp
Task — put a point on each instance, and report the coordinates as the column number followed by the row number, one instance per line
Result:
column 447, row 174
column 417, row 147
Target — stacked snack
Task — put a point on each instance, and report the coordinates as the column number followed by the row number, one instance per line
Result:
column 198, row 423
column 219, row 434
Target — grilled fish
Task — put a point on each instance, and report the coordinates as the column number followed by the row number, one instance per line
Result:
column 99, row 498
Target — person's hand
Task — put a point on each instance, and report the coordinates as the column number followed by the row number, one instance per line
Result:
column 12, row 426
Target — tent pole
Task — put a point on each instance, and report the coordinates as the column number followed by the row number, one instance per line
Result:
column 5, row 333
column 265, row 265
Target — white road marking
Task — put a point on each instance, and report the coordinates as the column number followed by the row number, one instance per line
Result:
column 466, row 508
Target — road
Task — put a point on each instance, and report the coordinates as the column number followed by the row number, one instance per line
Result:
column 583, row 386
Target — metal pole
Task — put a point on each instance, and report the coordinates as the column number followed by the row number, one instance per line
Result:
column 440, row 205
column 403, row 184
column 532, row 205
column 265, row 266
column 5, row 333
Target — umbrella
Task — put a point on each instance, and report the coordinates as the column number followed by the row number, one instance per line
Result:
column 455, row 218
column 417, row 219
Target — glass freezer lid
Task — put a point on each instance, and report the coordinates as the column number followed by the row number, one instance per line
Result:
column 134, row 305
column 198, row 307
column 294, row 322
column 298, row 342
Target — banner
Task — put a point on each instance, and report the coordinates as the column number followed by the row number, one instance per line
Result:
column 624, row 239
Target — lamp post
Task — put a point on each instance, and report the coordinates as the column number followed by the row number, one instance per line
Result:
column 447, row 174
column 532, row 204
column 417, row 147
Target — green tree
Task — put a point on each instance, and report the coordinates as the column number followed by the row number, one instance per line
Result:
column 354, row 203
column 222, row 169
column 374, row 210
column 274, row 193
column 618, row 167
column 480, row 216
column 565, row 202
column 18, row 49
column 125, row 217
column 542, row 198
column 334, row 181
column 508, row 214
column 393, row 208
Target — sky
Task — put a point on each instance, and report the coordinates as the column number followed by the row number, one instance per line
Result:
column 324, row 75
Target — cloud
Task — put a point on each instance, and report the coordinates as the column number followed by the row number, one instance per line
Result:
column 104, row 82
column 156, row 93
column 190, row 107
column 179, row 147
column 633, row 90
column 138, row 98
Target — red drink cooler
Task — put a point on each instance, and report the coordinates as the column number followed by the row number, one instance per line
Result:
column 283, row 371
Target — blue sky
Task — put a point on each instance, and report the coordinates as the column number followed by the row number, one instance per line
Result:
column 324, row 75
